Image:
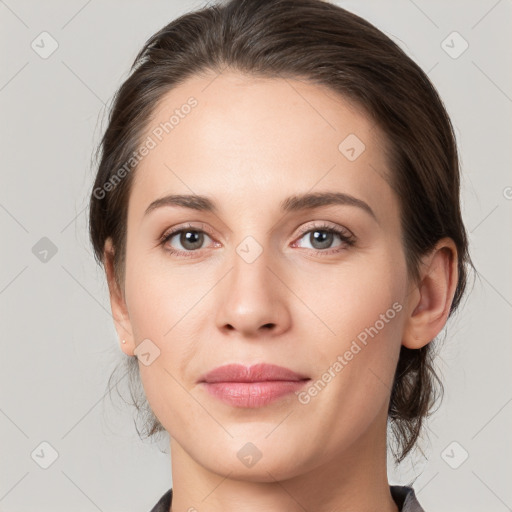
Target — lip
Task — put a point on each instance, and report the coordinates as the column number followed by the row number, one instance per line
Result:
column 253, row 386
column 256, row 373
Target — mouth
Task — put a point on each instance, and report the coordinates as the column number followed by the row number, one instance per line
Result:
column 256, row 373
column 251, row 387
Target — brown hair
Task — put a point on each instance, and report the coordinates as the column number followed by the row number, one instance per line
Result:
column 323, row 44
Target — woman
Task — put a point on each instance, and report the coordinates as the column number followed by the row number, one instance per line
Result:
column 277, row 211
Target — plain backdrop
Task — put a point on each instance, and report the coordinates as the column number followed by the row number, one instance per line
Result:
column 58, row 343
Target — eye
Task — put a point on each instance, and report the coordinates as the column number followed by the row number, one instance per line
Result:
column 321, row 237
column 190, row 238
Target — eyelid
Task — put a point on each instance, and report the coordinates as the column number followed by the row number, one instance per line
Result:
column 322, row 224
column 306, row 228
column 187, row 225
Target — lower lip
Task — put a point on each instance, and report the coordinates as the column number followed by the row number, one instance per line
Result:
column 252, row 394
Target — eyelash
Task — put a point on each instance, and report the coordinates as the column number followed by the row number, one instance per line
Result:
column 348, row 240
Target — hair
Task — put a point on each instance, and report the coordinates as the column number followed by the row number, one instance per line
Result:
column 323, row 44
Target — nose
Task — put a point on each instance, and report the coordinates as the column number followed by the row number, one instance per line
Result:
column 252, row 298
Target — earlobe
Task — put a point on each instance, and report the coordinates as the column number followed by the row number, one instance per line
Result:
column 434, row 295
column 117, row 302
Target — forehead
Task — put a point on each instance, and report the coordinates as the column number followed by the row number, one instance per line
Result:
column 243, row 138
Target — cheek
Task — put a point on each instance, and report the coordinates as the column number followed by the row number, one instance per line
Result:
column 356, row 353
column 361, row 312
column 160, row 297
column 348, row 299
column 163, row 310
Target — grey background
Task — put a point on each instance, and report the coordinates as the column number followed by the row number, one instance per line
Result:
column 58, row 343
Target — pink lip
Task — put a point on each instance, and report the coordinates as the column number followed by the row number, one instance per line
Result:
column 253, row 386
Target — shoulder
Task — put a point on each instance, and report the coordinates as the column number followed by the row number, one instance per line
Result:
column 405, row 498
column 164, row 503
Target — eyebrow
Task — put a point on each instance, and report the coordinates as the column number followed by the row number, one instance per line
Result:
column 293, row 203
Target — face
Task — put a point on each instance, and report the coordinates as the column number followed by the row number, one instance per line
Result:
column 262, row 276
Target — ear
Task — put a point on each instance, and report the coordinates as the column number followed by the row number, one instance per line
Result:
column 431, row 298
column 117, row 302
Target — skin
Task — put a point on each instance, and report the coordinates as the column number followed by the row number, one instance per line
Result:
column 249, row 144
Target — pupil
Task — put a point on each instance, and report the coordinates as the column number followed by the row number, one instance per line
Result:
column 325, row 239
column 191, row 237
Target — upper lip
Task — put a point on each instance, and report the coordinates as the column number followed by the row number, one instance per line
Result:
column 255, row 373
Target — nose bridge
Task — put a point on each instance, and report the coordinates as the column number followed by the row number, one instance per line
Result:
column 251, row 297
column 252, row 251
column 250, row 278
